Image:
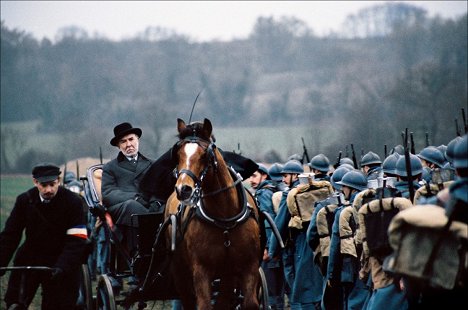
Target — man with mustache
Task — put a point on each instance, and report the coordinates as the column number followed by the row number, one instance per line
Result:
column 55, row 229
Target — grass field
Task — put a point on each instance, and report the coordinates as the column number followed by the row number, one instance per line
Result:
column 10, row 187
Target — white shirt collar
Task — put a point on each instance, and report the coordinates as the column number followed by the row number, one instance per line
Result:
column 130, row 158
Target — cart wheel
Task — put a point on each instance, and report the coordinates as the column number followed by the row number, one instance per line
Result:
column 105, row 294
column 85, row 294
column 263, row 291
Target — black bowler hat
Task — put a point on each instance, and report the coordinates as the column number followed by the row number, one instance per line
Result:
column 122, row 130
column 46, row 172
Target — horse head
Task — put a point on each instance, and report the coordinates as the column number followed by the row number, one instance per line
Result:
column 194, row 154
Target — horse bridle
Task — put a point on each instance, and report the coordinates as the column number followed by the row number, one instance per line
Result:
column 196, row 200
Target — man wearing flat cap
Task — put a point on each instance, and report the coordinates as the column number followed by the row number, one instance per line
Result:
column 121, row 178
column 55, row 229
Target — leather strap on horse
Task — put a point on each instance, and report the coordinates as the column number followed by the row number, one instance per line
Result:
column 230, row 223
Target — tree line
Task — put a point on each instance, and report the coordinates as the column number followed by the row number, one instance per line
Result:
column 392, row 67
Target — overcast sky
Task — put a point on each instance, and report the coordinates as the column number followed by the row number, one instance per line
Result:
column 200, row 20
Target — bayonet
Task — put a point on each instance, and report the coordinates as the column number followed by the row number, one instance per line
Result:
column 464, row 120
column 338, row 159
column 354, row 157
column 305, row 153
column 408, row 164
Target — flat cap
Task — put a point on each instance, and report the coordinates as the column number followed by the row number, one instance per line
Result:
column 46, row 172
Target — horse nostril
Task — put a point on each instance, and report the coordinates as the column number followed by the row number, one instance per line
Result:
column 184, row 192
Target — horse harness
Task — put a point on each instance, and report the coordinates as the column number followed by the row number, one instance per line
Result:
column 196, row 206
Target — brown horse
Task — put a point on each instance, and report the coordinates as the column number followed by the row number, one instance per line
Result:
column 218, row 233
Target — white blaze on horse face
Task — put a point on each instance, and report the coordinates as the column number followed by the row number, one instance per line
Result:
column 190, row 150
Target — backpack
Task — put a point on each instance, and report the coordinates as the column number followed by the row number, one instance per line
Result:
column 378, row 214
column 301, row 201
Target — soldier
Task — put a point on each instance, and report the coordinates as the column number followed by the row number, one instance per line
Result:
column 404, row 179
column 342, row 269
column 307, row 288
column 449, row 152
column 433, row 264
column 264, row 189
column 313, row 237
column 399, row 149
column 431, row 158
column 389, row 165
column 276, row 177
column 290, row 173
column 320, row 165
column 371, row 166
column 346, row 160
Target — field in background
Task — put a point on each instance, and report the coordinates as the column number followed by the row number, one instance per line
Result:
column 254, row 142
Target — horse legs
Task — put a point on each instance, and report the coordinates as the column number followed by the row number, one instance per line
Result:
column 249, row 284
column 202, row 285
column 184, row 288
column 226, row 293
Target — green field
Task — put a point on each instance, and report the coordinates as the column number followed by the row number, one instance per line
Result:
column 10, row 187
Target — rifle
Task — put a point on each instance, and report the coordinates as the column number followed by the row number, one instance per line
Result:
column 77, row 170
column 427, row 139
column 100, row 155
column 457, row 130
column 413, row 151
column 238, row 149
column 337, row 164
column 64, row 173
column 385, row 151
column 305, row 153
column 408, row 165
column 354, row 157
column 464, row 120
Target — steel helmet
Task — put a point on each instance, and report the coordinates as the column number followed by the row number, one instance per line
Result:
column 350, row 167
column 263, row 170
column 292, row 166
column 432, row 155
column 399, row 149
column 369, row 159
column 295, row 157
column 69, row 176
column 451, row 148
column 346, row 160
column 416, row 166
column 442, row 148
column 320, row 162
column 337, row 176
column 354, row 179
column 275, row 172
column 389, row 163
column 460, row 154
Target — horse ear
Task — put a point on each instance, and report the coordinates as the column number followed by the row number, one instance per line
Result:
column 207, row 127
column 180, row 125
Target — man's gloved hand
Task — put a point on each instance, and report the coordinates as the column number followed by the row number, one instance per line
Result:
column 56, row 274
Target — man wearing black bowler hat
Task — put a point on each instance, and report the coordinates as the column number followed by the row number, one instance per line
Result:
column 55, row 228
column 121, row 178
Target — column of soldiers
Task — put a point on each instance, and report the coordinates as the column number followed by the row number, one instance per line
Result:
column 390, row 235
